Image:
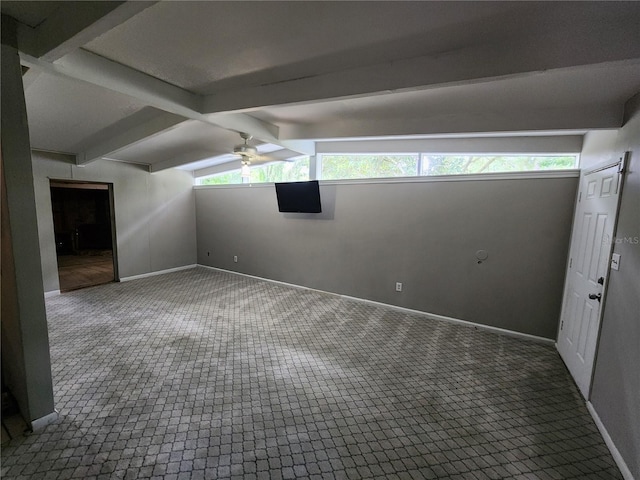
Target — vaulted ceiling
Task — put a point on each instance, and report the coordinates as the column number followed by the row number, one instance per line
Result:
column 170, row 84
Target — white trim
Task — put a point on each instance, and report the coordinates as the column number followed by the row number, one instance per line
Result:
column 432, row 316
column 235, row 185
column 278, row 282
column 52, row 293
column 40, row 423
column 624, row 469
column 466, row 323
column 158, row 272
column 540, row 174
column 598, row 167
column 467, row 177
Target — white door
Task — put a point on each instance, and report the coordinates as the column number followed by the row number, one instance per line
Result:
column 590, row 253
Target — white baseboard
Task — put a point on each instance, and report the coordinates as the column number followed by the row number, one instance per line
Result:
column 278, row 282
column 433, row 316
column 52, row 293
column 158, row 272
column 626, row 473
column 466, row 323
column 40, row 423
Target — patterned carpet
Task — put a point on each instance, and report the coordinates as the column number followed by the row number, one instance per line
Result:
column 205, row 374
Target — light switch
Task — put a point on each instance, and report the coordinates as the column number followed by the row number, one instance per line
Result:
column 615, row 261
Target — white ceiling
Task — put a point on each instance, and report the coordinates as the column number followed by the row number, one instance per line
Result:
column 64, row 112
column 169, row 84
column 439, row 110
column 240, row 40
column 191, row 136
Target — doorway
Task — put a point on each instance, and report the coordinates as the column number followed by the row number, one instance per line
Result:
column 83, row 225
column 588, row 271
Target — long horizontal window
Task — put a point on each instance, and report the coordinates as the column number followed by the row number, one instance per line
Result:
column 389, row 165
column 351, row 166
column 294, row 171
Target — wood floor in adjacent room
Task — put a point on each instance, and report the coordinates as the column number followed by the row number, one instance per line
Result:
column 205, row 374
column 85, row 270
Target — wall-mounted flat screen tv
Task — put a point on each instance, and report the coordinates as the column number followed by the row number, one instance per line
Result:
column 299, row 197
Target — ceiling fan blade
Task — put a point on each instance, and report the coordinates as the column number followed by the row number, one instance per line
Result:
column 266, row 158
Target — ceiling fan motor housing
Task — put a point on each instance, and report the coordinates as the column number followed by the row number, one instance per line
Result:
column 245, row 150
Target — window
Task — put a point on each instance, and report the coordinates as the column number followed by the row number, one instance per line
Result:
column 294, row 171
column 336, row 167
column 351, row 166
column 389, row 165
column 461, row 164
column 225, row 178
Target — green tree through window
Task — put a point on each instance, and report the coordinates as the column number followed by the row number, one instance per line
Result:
column 335, row 167
column 222, row 178
column 362, row 166
column 281, row 172
column 461, row 164
column 295, row 171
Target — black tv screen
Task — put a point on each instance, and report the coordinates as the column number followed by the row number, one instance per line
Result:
column 299, row 197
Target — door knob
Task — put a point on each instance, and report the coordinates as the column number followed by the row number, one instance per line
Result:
column 593, row 296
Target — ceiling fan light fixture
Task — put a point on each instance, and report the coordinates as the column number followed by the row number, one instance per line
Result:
column 245, row 171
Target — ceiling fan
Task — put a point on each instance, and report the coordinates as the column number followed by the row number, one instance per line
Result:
column 249, row 155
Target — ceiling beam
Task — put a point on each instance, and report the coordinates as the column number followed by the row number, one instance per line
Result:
column 227, row 162
column 578, row 43
column 94, row 69
column 142, row 125
column 74, row 24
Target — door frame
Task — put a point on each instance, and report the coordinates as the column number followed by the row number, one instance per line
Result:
column 114, row 238
column 112, row 216
column 622, row 164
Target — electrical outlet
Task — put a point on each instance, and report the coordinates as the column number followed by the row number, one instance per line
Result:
column 398, row 286
column 235, row 259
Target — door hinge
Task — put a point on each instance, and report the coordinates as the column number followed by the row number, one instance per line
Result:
column 561, row 324
column 570, row 262
column 580, row 197
column 622, row 166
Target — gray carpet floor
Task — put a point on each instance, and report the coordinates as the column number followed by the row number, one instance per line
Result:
column 205, row 374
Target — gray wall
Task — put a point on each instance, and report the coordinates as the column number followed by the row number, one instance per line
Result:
column 155, row 214
column 615, row 391
column 372, row 235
